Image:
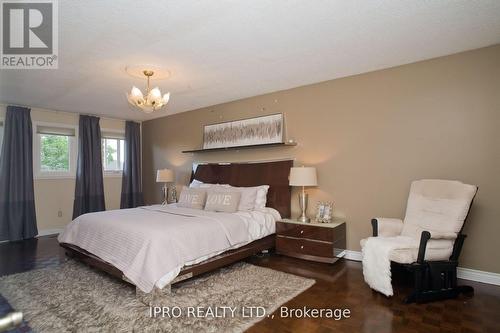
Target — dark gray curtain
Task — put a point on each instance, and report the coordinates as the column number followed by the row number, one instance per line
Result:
column 89, row 189
column 17, row 198
column 131, row 182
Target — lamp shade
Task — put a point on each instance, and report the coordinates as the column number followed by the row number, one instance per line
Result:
column 164, row 176
column 303, row 176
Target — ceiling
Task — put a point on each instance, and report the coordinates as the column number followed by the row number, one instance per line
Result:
column 218, row 51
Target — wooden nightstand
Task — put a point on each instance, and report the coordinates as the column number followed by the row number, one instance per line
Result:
column 323, row 242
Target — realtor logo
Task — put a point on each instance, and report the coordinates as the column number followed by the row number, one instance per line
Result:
column 29, row 34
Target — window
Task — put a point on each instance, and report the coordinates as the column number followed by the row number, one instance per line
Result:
column 113, row 152
column 55, row 151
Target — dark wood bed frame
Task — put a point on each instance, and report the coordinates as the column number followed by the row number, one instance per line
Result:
column 274, row 174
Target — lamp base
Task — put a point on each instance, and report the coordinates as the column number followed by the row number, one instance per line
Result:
column 303, row 219
column 303, row 197
column 164, row 192
column 173, row 194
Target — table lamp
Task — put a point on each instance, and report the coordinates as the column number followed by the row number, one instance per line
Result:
column 303, row 176
column 166, row 176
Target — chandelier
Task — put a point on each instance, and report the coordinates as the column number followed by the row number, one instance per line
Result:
column 152, row 101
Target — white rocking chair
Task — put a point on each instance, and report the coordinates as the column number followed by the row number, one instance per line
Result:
column 435, row 215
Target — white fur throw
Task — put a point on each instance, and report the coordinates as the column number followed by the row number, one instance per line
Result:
column 376, row 262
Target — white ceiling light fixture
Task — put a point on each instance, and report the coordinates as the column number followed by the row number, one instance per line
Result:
column 152, row 100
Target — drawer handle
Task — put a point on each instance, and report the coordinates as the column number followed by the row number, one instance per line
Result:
column 301, row 232
column 302, row 247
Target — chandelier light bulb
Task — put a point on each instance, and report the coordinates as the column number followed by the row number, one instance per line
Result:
column 155, row 97
column 155, row 92
column 166, row 98
column 136, row 93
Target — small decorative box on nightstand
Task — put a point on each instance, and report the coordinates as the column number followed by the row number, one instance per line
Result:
column 323, row 242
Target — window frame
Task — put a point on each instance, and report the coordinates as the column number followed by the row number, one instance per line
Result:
column 115, row 134
column 73, row 148
column 2, row 124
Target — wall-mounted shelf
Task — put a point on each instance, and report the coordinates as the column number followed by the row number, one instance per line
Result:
column 279, row 144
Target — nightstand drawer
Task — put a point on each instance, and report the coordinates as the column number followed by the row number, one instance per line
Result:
column 305, row 231
column 287, row 245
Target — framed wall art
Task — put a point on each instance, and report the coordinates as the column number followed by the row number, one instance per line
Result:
column 245, row 132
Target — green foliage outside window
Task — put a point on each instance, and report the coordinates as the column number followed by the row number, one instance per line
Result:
column 54, row 150
column 109, row 154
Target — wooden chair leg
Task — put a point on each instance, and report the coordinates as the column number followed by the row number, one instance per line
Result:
column 412, row 298
column 418, row 276
column 435, row 281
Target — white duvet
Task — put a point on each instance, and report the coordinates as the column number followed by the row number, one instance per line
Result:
column 151, row 244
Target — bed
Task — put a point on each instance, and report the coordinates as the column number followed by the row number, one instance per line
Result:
column 156, row 246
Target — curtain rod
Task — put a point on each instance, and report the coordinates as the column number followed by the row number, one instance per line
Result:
column 68, row 112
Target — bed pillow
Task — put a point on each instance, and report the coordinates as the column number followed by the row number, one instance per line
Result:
column 252, row 198
column 192, row 198
column 223, row 201
column 198, row 184
column 248, row 197
column 261, row 200
column 209, row 185
column 195, row 184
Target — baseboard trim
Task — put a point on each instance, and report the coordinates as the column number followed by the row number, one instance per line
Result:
column 462, row 273
column 353, row 255
column 47, row 232
column 44, row 232
column 478, row 276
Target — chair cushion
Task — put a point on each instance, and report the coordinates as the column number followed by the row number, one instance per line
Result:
column 434, row 251
column 437, row 205
column 437, row 249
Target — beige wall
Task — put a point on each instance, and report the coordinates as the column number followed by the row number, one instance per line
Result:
column 54, row 195
column 369, row 136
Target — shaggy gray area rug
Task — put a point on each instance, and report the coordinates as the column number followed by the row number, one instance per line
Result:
column 76, row 298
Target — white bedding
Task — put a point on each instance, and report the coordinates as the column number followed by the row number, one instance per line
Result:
column 151, row 244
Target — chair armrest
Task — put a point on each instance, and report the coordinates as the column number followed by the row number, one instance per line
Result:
column 426, row 236
column 386, row 227
column 443, row 235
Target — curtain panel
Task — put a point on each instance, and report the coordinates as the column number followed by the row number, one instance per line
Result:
column 89, row 189
column 17, row 197
column 131, row 181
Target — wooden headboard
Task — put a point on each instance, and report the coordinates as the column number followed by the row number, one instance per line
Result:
column 274, row 174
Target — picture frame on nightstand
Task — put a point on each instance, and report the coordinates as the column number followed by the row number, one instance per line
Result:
column 324, row 212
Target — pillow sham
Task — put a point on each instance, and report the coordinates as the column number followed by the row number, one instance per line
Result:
column 195, row 184
column 209, row 185
column 247, row 198
column 192, row 198
column 223, row 201
column 261, row 200
column 252, row 198
column 199, row 184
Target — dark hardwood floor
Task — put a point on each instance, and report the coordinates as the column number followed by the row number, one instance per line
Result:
column 341, row 285
column 338, row 285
